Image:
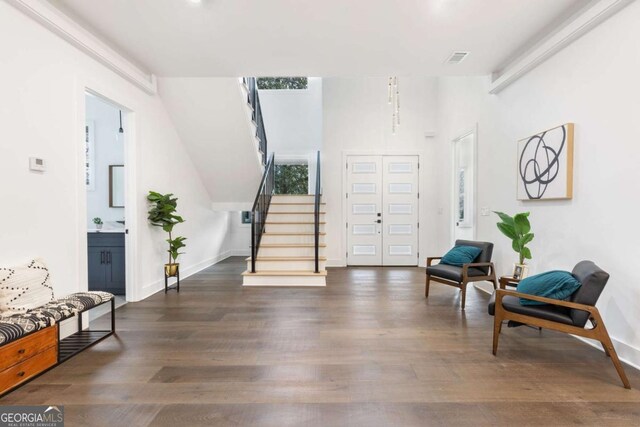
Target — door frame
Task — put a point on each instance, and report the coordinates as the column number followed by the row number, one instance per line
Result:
column 95, row 88
column 345, row 154
column 452, row 187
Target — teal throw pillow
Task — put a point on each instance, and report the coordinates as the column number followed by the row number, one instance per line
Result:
column 460, row 255
column 554, row 284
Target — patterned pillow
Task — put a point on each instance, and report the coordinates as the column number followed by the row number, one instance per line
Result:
column 25, row 287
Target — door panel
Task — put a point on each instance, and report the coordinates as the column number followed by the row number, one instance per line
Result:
column 364, row 203
column 382, row 210
column 116, row 272
column 97, row 271
column 400, row 210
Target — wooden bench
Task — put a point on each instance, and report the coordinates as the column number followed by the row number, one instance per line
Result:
column 30, row 343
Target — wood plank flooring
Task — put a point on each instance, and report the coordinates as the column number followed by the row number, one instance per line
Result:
column 367, row 350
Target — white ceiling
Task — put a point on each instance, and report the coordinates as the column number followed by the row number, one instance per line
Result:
column 317, row 37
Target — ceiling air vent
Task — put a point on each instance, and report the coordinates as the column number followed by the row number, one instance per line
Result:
column 457, row 57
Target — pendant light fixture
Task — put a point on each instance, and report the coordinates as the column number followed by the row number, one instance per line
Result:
column 120, row 130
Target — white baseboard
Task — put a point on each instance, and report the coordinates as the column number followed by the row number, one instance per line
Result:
column 158, row 285
column 627, row 353
column 239, row 252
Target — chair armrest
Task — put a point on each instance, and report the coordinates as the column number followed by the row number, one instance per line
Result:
column 431, row 259
column 465, row 267
column 500, row 293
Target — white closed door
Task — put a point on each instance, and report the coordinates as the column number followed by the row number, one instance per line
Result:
column 382, row 210
column 364, row 210
column 400, row 210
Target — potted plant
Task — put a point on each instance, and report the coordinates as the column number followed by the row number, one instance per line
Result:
column 518, row 229
column 162, row 213
column 98, row 223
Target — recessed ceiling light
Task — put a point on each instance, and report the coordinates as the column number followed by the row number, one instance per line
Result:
column 195, row 1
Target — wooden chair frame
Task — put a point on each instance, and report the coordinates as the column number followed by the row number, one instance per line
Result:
column 598, row 332
column 491, row 277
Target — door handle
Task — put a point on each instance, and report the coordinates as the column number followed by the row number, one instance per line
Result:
column 379, row 213
column 101, row 257
column 109, row 257
column 379, row 221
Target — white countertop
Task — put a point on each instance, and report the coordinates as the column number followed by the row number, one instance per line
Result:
column 106, row 230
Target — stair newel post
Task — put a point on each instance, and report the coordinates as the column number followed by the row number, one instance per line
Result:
column 316, row 218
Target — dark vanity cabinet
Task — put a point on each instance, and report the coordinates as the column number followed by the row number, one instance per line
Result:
column 107, row 262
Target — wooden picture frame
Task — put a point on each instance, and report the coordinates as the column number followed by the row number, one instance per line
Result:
column 545, row 165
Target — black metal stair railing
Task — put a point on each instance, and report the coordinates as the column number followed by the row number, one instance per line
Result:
column 260, row 209
column 253, row 99
column 316, row 212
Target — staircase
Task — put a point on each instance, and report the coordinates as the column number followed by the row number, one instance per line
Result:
column 286, row 256
column 288, row 236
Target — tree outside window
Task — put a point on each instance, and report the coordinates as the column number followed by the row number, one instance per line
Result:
column 281, row 83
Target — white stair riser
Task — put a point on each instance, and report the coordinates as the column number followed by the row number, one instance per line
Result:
column 292, row 228
column 290, row 239
column 285, row 217
column 289, row 252
column 287, row 265
column 284, row 281
column 294, row 208
column 293, row 199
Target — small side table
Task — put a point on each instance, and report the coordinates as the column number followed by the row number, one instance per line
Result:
column 508, row 281
column 166, row 281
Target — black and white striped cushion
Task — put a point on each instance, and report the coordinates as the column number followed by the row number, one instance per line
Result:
column 16, row 326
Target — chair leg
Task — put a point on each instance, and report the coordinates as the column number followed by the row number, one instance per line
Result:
column 495, row 282
column 463, row 288
column 608, row 345
column 497, row 328
column 426, row 286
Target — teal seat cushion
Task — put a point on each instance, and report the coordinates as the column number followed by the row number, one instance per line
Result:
column 556, row 284
column 460, row 255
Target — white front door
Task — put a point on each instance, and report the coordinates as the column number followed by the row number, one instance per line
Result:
column 382, row 210
column 464, row 161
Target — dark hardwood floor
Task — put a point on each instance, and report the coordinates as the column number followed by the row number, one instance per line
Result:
column 367, row 350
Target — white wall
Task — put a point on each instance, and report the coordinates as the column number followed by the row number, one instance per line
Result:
column 108, row 150
column 357, row 119
column 212, row 119
column 293, row 119
column 239, row 237
column 42, row 82
column 593, row 83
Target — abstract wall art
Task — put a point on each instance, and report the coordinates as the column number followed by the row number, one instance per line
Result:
column 545, row 165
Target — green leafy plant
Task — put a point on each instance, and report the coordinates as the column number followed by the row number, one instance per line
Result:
column 282, row 83
column 518, row 229
column 162, row 213
column 97, row 221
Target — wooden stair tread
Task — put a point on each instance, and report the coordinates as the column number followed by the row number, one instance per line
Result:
column 295, row 204
column 294, row 213
column 287, row 258
column 285, row 273
column 322, row 233
column 291, row 245
column 289, row 222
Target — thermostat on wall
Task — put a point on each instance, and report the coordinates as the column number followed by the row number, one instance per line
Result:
column 36, row 164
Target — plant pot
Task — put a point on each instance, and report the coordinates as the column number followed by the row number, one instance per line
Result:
column 171, row 270
column 520, row 271
column 98, row 226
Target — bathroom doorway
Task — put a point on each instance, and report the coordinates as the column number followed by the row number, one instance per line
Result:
column 104, row 143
